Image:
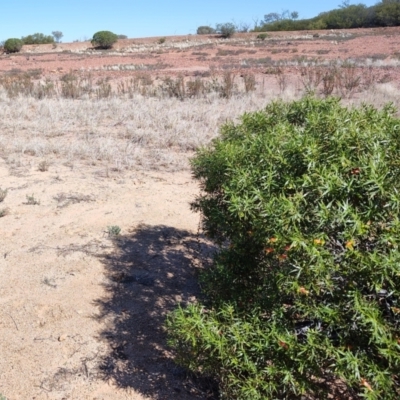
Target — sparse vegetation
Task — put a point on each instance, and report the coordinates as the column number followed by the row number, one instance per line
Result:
column 104, row 39
column 162, row 40
column 31, row 200
column 66, row 199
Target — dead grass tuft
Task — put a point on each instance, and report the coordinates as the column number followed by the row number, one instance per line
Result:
column 66, row 199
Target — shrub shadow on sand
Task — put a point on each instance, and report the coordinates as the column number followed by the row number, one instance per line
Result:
column 150, row 271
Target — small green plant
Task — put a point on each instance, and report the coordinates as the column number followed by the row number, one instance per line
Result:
column 161, row 40
column 3, row 194
column 262, row 36
column 303, row 297
column 13, row 45
column 3, row 213
column 104, row 39
column 32, row 201
column 113, row 230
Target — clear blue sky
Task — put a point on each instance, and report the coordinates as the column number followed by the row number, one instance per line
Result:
column 141, row 18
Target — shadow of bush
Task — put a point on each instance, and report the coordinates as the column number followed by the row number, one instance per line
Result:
column 149, row 272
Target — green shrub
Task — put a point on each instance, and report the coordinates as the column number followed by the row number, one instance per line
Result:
column 104, row 39
column 205, row 30
column 113, row 230
column 303, row 295
column 37, row 38
column 13, row 45
column 262, row 36
column 226, row 30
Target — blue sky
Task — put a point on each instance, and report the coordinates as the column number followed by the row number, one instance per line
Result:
column 80, row 19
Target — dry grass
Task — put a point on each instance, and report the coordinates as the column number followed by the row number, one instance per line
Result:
column 148, row 125
column 147, row 132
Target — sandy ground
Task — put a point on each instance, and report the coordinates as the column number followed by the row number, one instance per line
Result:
column 82, row 314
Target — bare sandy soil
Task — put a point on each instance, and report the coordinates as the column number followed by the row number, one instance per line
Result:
column 82, row 311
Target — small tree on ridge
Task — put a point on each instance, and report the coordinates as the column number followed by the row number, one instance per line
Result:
column 57, row 35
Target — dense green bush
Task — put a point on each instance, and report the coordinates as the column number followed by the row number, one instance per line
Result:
column 262, row 36
column 384, row 13
column 226, row 30
column 104, row 39
column 388, row 13
column 303, row 296
column 38, row 38
column 13, row 45
column 205, row 30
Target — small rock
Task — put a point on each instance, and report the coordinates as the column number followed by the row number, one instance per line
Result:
column 62, row 338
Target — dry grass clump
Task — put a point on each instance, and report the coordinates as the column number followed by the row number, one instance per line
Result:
column 66, row 199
